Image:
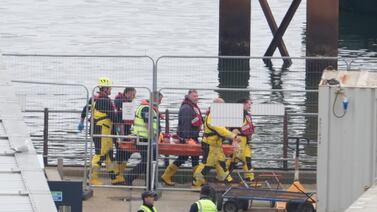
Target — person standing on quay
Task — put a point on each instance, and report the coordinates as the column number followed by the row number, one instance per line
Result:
column 189, row 125
column 122, row 128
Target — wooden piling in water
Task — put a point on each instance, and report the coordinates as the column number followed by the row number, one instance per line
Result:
column 234, row 40
column 322, row 31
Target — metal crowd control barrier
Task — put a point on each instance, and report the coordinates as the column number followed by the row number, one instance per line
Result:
column 275, row 83
column 55, row 97
column 223, row 70
column 272, row 131
column 53, row 139
column 85, row 69
column 72, row 68
column 294, row 86
column 135, row 156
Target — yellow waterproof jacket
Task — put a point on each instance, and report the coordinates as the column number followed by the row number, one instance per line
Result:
column 214, row 135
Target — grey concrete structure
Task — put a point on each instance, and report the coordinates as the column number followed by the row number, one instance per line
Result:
column 23, row 186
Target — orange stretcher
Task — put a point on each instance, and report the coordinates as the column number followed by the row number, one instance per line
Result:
column 173, row 147
column 128, row 146
column 188, row 149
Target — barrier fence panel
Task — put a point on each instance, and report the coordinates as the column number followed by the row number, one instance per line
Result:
column 295, row 87
column 270, row 147
column 120, row 151
column 53, row 123
column 82, row 69
column 265, row 80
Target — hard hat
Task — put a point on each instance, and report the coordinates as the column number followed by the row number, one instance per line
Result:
column 104, row 82
column 149, row 194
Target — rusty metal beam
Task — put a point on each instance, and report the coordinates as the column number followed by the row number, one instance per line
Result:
column 274, row 27
column 282, row 28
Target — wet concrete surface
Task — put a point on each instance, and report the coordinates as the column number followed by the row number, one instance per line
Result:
column 121, row 200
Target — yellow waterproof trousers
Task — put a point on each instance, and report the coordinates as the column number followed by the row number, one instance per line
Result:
column 244, row 154
column 103, row 148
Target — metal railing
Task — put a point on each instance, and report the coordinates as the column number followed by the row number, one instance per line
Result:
column 48, row 139
column 48, row 142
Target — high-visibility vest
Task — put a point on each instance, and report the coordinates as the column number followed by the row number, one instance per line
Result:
column 146, row 209
column 206, row 205
column 140, row 127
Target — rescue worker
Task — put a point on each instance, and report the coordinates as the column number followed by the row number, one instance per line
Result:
column 189, row 124
column 244, row 133
column 122, row 128
column 148, row 198
column 128, row 95
column 204, row 204
column 104, row 115
column 140, row 128
column 213, row 154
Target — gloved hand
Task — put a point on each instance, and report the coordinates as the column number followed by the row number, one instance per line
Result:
column 80, row 127
column 117, row 130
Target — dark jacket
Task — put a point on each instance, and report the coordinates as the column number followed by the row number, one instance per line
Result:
column 185, row 116
column 118, row 102
column 119, row 99
column 83, row 112
column 105, row 105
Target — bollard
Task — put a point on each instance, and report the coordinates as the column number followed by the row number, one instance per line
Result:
column 60, row 168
